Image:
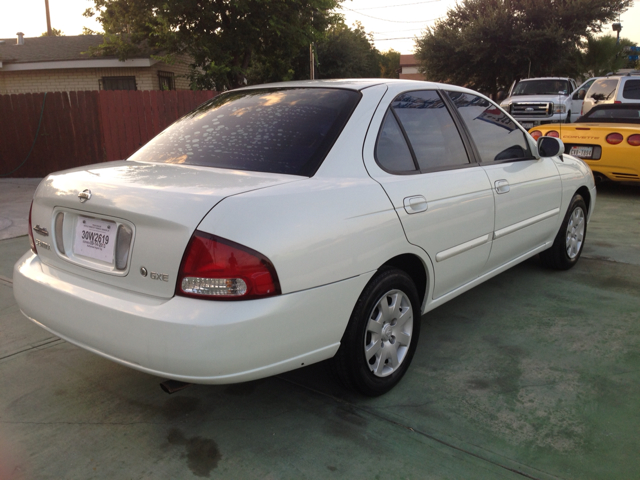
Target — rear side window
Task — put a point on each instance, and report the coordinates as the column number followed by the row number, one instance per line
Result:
column 603, row 89
column 392, row 151
column 267, row 130
column 496, row 136
column 631, row 90
column 422, row 119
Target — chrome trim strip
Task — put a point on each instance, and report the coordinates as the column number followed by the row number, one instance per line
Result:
column 525, row 223
column 463, row 247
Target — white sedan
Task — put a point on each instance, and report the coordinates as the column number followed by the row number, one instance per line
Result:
column 280, row 225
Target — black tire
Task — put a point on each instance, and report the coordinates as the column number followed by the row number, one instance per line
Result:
column 567, row 246
column 568, row 119
column 399, row 330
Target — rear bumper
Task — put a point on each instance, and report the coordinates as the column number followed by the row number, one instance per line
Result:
column 613, row 170
column 196, row 341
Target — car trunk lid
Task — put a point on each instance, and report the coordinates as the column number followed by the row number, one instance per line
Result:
column 127, row 224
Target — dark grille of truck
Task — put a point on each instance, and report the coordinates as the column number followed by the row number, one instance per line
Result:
column 531, row 109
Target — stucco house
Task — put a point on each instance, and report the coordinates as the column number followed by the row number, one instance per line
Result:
column 54, row 64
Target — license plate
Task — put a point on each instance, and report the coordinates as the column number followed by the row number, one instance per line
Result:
column 95, row 238
column 527, row 125
column 582, row 152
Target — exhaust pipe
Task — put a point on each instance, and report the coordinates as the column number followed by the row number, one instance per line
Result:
column 600, row 178
column 173, row 386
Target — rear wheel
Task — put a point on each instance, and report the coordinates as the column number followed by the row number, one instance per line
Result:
column 567, row 246
column 382, row 335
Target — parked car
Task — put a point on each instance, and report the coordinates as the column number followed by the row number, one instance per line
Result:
column 578, row 96
column 607, row 138
column 537, row 101
column 613, row 89
column 280, row 225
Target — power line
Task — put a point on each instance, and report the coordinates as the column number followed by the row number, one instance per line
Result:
column 393, row 21
column 401, row 5
column 385, row 39
column 398, row 31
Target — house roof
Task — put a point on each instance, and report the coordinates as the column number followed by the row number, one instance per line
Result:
column 43, row 53
column 48, row 49
column 408, row 60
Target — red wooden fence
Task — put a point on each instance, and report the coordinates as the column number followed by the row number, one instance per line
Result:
column 81, row 128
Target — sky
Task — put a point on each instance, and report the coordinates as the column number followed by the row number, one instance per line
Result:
column 393, row 23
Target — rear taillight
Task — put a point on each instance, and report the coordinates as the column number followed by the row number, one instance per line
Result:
column 617, row 101
column 536, row 134
column 217, row 269
column 634, row 140
column 552, row 133
column 614, row 138
column 32, row 241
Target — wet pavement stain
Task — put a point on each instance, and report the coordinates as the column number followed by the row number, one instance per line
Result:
column 202, row 453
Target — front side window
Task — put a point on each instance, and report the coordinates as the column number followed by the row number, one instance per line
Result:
column 422, row 119
column 631, row 90
column 584, row 87
column 286, row 130
column 496, row 136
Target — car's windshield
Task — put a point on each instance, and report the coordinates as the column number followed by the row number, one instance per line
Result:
column 285, row 130
column 542, row 87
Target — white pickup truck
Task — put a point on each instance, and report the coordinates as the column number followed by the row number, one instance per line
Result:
column 536, row 101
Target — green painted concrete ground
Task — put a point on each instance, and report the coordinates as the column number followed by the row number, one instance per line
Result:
column 534, row 374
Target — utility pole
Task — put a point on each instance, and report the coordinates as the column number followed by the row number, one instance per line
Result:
column 311, row 62
column 49, row 31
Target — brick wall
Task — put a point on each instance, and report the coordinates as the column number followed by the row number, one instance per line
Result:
column 81, row 79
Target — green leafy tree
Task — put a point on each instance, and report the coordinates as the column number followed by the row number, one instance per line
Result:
column 601, row 55
column 486, row 44
column 54, row 33
column 347, row 53
column 225, row 38
column 390, row 64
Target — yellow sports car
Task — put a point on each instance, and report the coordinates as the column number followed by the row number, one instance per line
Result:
column 607, row 138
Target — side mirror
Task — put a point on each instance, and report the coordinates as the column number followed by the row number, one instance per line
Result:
column 582, row 93
column 500, row 96
column 550, row 146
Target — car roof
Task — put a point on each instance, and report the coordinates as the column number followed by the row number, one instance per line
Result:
column 544, row 78
column 355, row 84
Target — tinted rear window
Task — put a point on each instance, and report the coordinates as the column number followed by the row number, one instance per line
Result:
column 268, row 130
column 631, row 89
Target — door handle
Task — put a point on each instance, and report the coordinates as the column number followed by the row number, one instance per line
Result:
column 415, row 204
column 502, row 186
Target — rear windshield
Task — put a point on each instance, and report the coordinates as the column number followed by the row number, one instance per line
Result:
column 611, row 113
column 288, row 130
column 542, row 87
column 631, row 89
